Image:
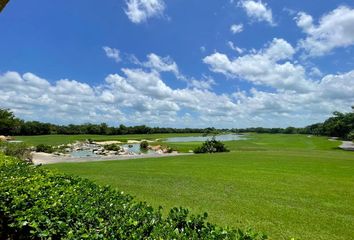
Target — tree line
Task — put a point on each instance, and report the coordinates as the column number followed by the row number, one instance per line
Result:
column 339, row 125
column 11, row 125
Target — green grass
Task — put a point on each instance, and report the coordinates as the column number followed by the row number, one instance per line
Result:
column 284, row 185
column 64, row 139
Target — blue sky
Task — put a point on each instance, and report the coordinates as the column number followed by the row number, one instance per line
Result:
column 177, row 63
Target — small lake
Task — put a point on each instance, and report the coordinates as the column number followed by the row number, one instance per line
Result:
column 135, row 148
column 130, row 148
column 83, row 153
column 223, row 138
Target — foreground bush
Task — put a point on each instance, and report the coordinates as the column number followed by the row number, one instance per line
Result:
column 211, row 146
column 40, row 204
column 18, row 150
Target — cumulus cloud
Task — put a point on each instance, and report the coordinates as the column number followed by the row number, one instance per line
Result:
column 112, row 53
column 257, row 11
column 139, row 11
column 333, row 30
column 137, row 96
column 236, row 28
column 161, row 64
column 269, row 66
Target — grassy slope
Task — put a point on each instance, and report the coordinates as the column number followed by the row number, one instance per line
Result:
column 63, row 139
column 284, row 185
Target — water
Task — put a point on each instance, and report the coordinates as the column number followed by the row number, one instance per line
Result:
column 83, row 153
column 135, row 148
column 131, row 148
column 223, row 138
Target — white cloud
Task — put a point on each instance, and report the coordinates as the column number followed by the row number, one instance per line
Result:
column 315, row 72
column 142, row 97
column 339, row 86
column 269, row 66
column 112, row 53
column 139, row 11
column 333, row 30
column 236, row 28
column 206, row 83
column 234, row 47
column 258, row 11
column 161, row 64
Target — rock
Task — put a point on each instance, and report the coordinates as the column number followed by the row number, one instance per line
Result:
column 155, row 148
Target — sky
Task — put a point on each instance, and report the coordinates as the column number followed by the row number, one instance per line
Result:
column 177, row 63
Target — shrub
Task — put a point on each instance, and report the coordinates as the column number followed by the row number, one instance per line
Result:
column 144, row 145
column 211, row 146
column 112, row 147
column 169, row 150
column 350, row 136
column 18, row 150
column 44, row 148
column 41, row 204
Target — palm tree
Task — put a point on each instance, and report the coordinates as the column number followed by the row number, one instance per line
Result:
column 3, row 4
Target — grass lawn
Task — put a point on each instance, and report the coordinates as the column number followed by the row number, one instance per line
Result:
column 63, row 139
column 284, row 185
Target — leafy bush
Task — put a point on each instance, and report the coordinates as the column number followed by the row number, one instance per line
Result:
column 44, row 148
column 112, row 147
column 41, row 204
column 350, row 136
column 18, row 150
column 144, row 145
column 170, row 150
column 211, row 146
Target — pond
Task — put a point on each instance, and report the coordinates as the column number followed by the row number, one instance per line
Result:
column 83, row 153
column 223, row 138
column 129, row 148
column 135, row 148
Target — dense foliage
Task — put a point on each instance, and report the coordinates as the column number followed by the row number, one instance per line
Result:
column 211, row 146
column 10, row 125
column 144, row 145
column 40, row 204
column 18, row 150
column 340, row 125
column 3, row 4
column 112, row 147
column 44, row 148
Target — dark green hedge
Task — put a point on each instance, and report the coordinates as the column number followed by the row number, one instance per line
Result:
column 41, row 204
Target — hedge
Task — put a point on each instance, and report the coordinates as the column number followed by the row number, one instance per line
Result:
column 36, row 203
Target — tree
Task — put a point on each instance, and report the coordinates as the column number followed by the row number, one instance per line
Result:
column 211, row 146
column 9, row 124
column 3, row 4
